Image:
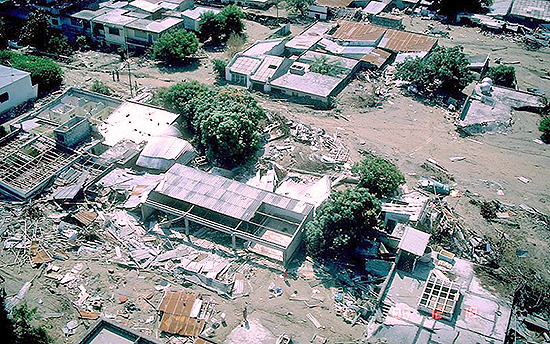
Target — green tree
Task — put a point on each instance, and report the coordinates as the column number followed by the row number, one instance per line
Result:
column 184, row 97
column 44, row 71
column 175, row 46
column 323, row 65
column 36, row 30
column 229, row 137
column 82, row 43
column 341, row 221
column 24, row 332
column 211, row 26
column 544, row 128
column 232, row 20
column 379, row 176
column 219, row 67
column 299, row 6
column 58, row 44
column 503, row 75
column 100, row 87
column 452, row 7
column 445, row 69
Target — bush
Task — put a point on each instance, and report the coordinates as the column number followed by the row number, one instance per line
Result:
column 219, row 67
column 299, row 6
column 503, row 75
column 82, row 43
column 379, row 176
column 174, row 46
column 59, row 45
column 445, row 69
column 44, row 71
column 544, row 128
column 323, row 65
column 100, row 87
column 341, row 221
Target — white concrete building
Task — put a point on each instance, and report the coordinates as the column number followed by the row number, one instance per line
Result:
column 15, row 88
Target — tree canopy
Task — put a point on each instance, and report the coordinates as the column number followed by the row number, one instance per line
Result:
column 176, row 45
column 377, row 175
column 544, row 128
column 299, row 6
column 226, row 121
column 218, row 27
column 444, row 69
column 44, row 71
column 323, row 65
column 341, row 221
column 18, row 329
column 452, row 7
column 503, row 75
column 36, row 32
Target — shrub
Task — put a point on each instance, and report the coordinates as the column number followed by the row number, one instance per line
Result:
column 544, row 128
column 379, row 176
column 100, row 87
column 175, row 46
column 503, row 75
column 219, row 67
column 82, row 43
column 44, row 71
column 341, row 221
column 488, row 210
column 445, row 69
column 323, row 65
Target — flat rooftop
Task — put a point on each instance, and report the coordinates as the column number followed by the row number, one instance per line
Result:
column 245, row 65
column 268, row 68
column 310, row 36
column 264, row 47
column 115, row 17
column 311, row 83
column 9, row 75
column 196, row 12
column 341, row 62
column 156, row 26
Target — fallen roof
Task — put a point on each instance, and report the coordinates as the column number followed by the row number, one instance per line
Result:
column 414, row 241
column 177, row 318
column 9, row 75
column 160, row 153
column 310, row 83
column 377, row 57
column 309, row 37
column 136, row 122
column 354, row 31
column 403, row 41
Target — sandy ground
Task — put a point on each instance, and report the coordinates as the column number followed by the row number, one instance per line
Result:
column 402, row 129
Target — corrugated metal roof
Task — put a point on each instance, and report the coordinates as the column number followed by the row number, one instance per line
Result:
column 353, row 31
column 222, row 195
column 176, row 319
column 403, row 41
column 374, row 7
column 536, row 9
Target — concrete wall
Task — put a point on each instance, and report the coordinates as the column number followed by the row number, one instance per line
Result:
column 18, row 92
column 73, row 132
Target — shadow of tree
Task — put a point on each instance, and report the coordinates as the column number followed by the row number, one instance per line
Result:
column 188, row 65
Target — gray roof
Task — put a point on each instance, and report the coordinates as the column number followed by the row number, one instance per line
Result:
column 222, row 195
column 343, row 63
column 374, row 7
column 310, row 83
column 115, row 17
column 10, row 75
column 156, row 26
column 535, row 9
column 90, row 14
column 161, row 153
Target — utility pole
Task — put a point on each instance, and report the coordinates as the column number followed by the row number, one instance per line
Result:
column 128, row 63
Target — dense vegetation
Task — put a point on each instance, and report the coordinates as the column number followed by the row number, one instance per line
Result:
column 44, row 71
column 18, row 329
column 444, row 70
column 175, row 46
column 226, row 121
column 37, row 33
column 377, row 175
column 218, row 27
column 219, row 67
column 452, row 7
column 544, row 128
column 503, row 75
column 341, row 221
column 323, row 65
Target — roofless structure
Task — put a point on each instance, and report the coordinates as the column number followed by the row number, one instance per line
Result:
column 273, row 223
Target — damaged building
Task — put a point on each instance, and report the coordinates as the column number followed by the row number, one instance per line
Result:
column 272, row 223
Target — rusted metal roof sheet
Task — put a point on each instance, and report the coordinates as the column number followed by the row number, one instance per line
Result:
column 353, row 31
column 403, row 41
column 377, row 57
column 175, row 319
column 85, row 217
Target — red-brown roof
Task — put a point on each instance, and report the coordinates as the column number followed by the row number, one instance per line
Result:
column 334, row 3
column 403, row 41
column 353, row 31
column 177, row 308
column 377, row 57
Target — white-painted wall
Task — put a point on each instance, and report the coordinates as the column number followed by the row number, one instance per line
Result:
column 19, row 92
